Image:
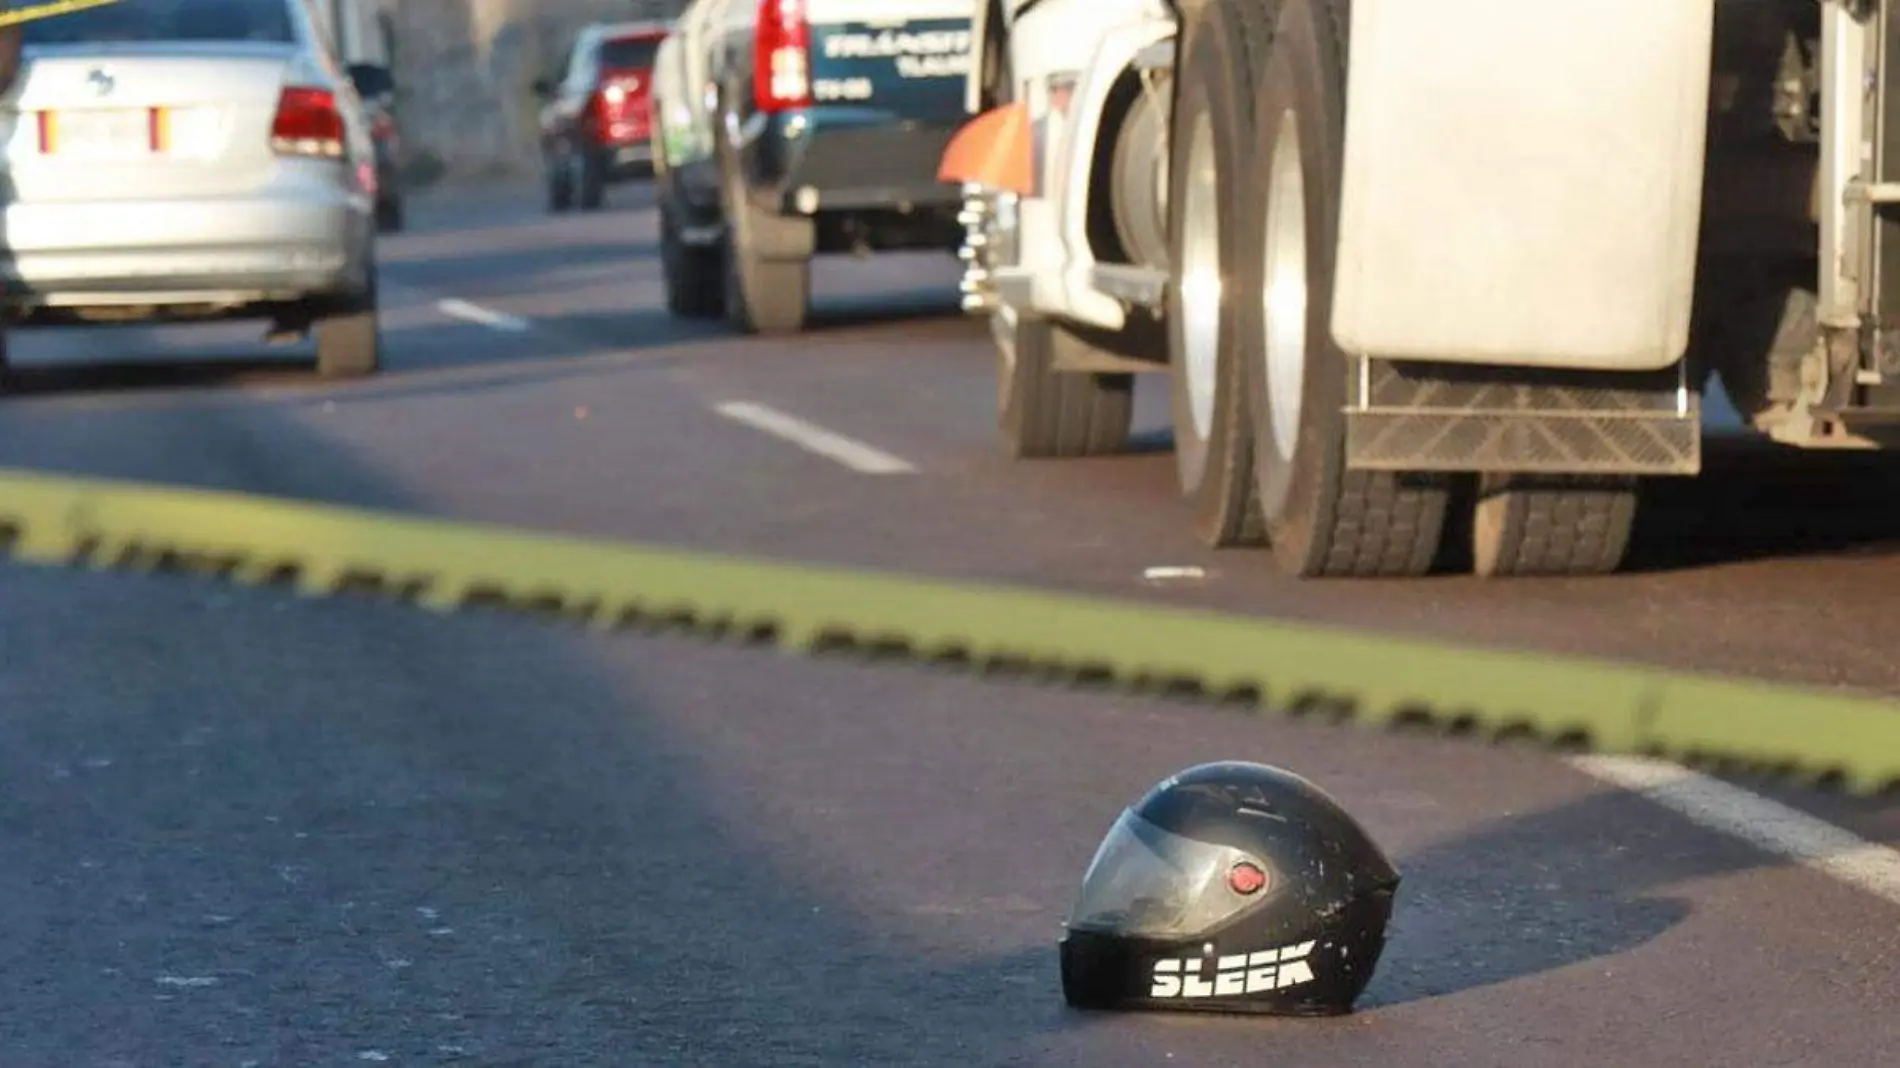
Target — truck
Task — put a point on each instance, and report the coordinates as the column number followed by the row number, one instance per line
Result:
column 1408, row 262
column 790, row 129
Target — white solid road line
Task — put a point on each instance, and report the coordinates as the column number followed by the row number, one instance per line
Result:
column 856, row 455
column 475, row 313
column 1763, row 823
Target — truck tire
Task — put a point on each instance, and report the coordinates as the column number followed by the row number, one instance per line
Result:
column 767, row 267
column 764, row 296
column 1206, row 363
column 1321, row 518
column 1551, row 524
column 694, row 277
column 1046, row 413
column 349, row 338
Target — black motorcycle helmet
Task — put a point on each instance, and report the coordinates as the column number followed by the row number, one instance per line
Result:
column 1230, row 887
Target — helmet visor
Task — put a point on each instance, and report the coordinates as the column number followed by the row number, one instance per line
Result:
column 1146, row 882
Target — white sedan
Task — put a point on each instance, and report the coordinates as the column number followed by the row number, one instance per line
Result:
column 180, row 159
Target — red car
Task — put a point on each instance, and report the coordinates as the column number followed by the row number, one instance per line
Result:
column 596, row 129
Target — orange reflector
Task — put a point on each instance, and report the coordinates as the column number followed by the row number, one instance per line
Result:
column 992, row 150
column 160, row 122
column 49, row 132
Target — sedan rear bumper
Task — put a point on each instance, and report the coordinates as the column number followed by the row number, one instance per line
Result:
column 216, row 251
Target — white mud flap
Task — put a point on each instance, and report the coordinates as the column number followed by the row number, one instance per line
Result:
column 1523, row 181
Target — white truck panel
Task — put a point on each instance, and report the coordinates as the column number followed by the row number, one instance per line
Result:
column 1005, row 12
column 1127, row 27
column 1049, row 39
column 973, row 78
column 1041, row 47
column 1091, row 41
column 1522, row 181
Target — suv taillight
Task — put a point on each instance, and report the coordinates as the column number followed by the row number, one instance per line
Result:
column 781, row 56
column 616, row 96
column 618, row 88
column 307, row 124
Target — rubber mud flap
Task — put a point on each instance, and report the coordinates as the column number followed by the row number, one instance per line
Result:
column 1828, row 738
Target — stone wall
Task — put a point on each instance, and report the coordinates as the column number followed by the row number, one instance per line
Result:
column 465, row 68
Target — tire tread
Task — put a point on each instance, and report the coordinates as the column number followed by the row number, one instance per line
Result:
column 1361, row 524
column 1553, row 525
column 1062, row 414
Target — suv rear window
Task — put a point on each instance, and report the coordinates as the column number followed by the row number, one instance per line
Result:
column 628, row 53
column 168, row 20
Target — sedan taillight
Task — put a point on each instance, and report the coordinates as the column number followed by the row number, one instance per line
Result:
column 307, row 124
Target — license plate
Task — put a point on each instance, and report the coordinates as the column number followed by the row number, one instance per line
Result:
column 116, row 133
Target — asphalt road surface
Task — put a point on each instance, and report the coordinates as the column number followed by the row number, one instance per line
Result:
column 240, row 828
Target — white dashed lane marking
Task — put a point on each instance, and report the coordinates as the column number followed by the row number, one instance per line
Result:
column 488, row 317
column 855, row 455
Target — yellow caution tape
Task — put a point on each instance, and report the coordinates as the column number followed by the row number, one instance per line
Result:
column 1826, row 738
column 13, row 16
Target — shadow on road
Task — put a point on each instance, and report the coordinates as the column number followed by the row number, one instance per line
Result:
column 1537, row 893
column 1757, row 500
column 185, row 374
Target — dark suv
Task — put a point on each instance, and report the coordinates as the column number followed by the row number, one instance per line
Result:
column 595, row 126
